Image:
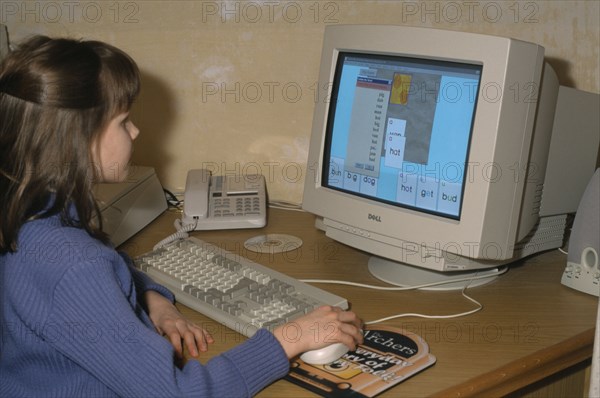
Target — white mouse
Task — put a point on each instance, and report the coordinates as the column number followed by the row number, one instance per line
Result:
column 325, row 355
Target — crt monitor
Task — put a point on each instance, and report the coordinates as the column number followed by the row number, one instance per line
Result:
column 431, row 149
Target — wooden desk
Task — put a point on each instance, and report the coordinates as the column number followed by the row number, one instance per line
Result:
column 531, row 326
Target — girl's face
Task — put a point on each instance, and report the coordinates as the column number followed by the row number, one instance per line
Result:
column 113, row 151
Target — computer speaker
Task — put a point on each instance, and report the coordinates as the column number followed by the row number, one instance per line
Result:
column 583, row 268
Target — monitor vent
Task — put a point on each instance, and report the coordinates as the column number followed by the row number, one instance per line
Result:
column 547, row 234
column 537, row 199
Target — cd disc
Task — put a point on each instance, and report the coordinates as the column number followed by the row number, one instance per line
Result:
column 273, row 243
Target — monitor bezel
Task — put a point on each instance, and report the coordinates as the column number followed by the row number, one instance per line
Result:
column 503, row 140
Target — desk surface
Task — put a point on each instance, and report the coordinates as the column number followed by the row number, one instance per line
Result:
column 531, row 326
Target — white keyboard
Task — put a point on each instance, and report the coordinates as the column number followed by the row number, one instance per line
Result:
column 231, row 289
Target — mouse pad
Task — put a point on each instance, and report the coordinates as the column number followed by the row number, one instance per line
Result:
column 387, row 357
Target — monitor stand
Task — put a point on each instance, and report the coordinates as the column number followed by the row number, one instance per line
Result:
column 406, row 275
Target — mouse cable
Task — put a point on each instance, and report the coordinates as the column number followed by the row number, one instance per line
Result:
column 403, row 288
column 417, row 315
column 469, row 279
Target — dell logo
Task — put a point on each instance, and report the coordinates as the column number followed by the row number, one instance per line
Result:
column 374, row 217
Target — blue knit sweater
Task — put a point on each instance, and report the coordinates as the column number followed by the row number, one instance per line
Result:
column 72, row 323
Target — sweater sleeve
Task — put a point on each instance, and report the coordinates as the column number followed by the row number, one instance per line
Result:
column 107, row 340
column 143, row 282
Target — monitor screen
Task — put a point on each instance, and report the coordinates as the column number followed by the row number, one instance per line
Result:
column 399, row 130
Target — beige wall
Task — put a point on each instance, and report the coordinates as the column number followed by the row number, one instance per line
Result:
column 231, row 84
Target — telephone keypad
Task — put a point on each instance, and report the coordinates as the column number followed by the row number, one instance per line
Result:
column 241, row 206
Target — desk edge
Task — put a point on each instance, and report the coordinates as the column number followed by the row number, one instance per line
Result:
column 527, row 370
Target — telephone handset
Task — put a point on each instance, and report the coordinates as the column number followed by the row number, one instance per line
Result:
column 224, row 202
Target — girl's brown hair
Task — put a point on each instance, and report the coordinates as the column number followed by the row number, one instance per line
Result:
column 56, row 98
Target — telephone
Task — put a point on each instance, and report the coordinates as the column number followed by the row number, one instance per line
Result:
column 224, row 202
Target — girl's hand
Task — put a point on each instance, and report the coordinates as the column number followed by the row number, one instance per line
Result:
column 169, row 322
column 324, row 326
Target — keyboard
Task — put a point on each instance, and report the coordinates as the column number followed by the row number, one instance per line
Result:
column 233, row 290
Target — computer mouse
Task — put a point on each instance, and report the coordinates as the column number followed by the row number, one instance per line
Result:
column 325, row 355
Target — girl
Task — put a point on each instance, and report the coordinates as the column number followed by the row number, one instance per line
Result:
column 77, row 319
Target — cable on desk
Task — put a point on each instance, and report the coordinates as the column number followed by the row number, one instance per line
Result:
column 416, row 315
column 502, row 271
column 374, row 287
column 172, row 199
column 285, row 205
